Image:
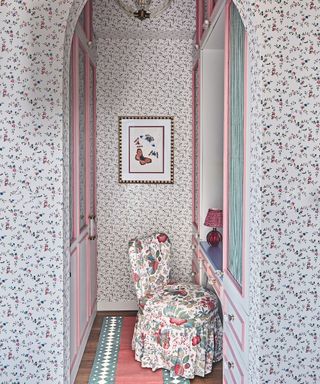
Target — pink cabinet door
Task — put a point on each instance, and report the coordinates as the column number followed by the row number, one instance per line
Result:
column 196, row 146
column 235, row 154
column 204, row 10
column 233, row 372
column 199, row 19
column 210, row 7
column 82, row 188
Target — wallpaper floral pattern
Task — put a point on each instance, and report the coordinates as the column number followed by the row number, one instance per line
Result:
column 34, row 290
column 74, row 11
column 284, row 179
column 135, row 78
column 284, row 188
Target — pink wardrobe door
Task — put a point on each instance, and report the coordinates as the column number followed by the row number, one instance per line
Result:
column 199, row 19
column 235, row 147
column 83, row 251
column 196, row 146
column 210, row 7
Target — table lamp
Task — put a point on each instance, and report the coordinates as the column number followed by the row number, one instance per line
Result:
column 214, row 219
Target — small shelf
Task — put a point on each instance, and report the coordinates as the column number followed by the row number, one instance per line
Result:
column 213, row 255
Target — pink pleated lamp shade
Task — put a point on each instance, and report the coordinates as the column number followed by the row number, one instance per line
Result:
column 214, row 218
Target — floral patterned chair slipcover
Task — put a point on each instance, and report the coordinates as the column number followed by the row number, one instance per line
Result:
column 178, row 327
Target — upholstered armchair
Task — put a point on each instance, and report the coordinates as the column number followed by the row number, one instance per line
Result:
column 178, row 327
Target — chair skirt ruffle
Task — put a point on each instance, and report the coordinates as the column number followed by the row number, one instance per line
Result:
column 186, row 348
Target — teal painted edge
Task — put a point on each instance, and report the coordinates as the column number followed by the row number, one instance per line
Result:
column 173, row 380
column 106, row 359
column 236, row 142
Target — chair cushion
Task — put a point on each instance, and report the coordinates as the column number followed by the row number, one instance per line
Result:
column 180, row 302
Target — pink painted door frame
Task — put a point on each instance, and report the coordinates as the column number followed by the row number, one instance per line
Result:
column 196, row 145
column 211, row 4
column 240, row 289
column 199, row 20
column 82, row 247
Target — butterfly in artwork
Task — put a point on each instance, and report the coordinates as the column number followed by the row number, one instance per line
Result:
column 142, row 159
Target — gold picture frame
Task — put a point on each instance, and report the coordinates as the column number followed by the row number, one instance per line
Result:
column 146, row 145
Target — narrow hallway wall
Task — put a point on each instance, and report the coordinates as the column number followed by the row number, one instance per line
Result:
column 284, row 190
column 34, row 287
column 141, row 78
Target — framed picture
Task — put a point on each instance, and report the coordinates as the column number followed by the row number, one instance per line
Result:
column 146, row 149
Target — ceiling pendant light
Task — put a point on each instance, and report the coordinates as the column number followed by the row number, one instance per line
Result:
column 142, row 10
column 143, row 7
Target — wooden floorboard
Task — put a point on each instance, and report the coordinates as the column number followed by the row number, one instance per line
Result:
column 215, row 377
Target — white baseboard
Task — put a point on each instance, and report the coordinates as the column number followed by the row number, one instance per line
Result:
column 117, row 305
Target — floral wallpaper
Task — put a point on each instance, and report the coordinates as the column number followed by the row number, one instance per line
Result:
column 135, row 78
column 32, row 247
column 34, row 310
column 144, row 68
column 284, row 179
column 284, row 190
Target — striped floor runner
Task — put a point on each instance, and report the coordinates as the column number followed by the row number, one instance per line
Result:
column 114, row 362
